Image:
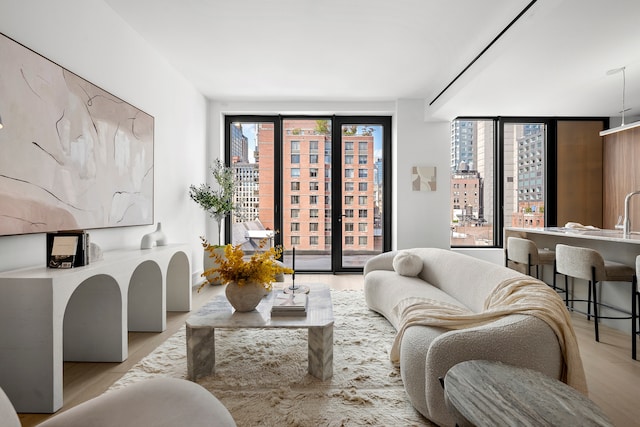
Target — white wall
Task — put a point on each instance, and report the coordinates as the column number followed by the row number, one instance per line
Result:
column 89, row 39
column 422, row 217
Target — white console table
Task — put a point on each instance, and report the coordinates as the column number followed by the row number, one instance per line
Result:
column 48, row 316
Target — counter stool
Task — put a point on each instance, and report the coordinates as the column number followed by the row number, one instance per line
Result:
column 588, row 264
column 526, row 252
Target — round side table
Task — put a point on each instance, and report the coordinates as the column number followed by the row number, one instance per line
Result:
column 484, row 393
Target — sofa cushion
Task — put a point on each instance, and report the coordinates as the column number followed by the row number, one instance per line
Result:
column 406, row 263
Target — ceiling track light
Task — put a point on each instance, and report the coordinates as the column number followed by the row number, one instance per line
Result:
column 622, row 126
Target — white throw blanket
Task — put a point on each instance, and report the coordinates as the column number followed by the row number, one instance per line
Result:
column 512, row 296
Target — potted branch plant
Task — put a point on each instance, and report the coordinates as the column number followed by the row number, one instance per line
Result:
column 218, row 203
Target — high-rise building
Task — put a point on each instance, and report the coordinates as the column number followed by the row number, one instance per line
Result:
column 463, row 148
column 239, row 144
column 529, row 161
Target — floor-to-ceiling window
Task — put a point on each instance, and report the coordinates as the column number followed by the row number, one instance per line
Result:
column 504, row 174
column 473, row 189
column 293, row 190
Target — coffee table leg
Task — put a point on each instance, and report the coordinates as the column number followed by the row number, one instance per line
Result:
column 201, row 352
column 321, row 352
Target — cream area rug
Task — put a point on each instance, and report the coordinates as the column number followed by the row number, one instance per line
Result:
column 261, row 374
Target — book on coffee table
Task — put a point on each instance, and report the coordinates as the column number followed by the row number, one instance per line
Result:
column 289, row 304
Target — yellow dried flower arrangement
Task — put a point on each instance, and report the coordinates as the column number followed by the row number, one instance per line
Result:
column 260, row 268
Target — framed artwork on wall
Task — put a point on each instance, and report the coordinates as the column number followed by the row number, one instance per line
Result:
column 72, row 155
column 423, row 178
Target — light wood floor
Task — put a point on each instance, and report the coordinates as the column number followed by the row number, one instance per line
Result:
column 613, row 377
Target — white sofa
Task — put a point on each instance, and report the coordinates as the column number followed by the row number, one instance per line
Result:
column 426, row 352
column 160, row 402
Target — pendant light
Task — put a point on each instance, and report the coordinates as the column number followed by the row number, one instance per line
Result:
column 622, row 126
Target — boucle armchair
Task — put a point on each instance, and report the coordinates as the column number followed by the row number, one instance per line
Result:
column 160, row 402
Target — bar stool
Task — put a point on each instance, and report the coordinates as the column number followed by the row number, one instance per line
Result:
column 588, row 264
column 526, row 252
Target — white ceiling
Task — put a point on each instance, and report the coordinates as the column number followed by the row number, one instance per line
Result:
column 553, row 61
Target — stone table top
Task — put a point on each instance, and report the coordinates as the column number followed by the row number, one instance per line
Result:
column 484, row 393
column 218, row 313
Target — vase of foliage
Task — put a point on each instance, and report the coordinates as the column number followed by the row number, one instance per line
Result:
column 218, row 203
column 248, row 281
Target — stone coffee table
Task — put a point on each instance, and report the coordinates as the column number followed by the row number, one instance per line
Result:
column 218, row 313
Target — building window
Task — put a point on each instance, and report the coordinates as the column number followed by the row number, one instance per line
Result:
column 295, row 200
column 348, row 200
column 295, row 240
column 348, row 147
column 362, row 146
column 313, row 158
column 348, row 173
column 362, row 159
column 313, row 213
column 313, row 240
column 313, row 172
column 295, row 158
column 295, row 213
column 362, row 186
column 348, row 226
column 363, row 226
column 313, row 200
column 295, row 172
column 295, row 146
column 313, row 226
column 348, row 159
column 313, row 146
column 313, row 186
column 348, row 186
column 362, row 240
column 348, row 213
column 295, row 185
column 362, row 200
column 362, row 213
column 363, row 173
column 348, row 240
column 295, row 226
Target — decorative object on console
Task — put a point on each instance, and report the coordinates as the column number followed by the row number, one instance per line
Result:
column 95, row 252
column 67, row 249
column 155, row 238
column 79, row 176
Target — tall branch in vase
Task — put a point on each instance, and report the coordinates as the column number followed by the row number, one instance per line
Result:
column 218, row 203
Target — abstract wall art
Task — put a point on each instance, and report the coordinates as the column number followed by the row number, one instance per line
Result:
column 72, row 156
column 423, row 178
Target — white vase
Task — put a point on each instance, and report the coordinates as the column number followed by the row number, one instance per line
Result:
column 209, row 263
column 246, row 297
